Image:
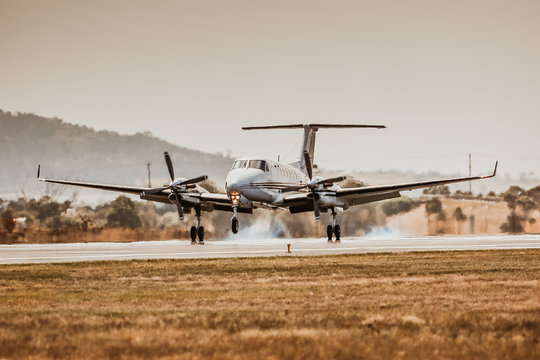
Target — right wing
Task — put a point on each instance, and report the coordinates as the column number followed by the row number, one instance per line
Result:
column 120, row 188
column 189, row 199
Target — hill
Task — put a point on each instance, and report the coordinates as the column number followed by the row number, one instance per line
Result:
column 81, row 153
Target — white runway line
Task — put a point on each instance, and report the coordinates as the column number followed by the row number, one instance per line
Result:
column 177, row 249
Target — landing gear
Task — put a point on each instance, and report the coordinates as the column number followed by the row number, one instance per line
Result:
column 197, row 230
column 234, row 225
column 333, row 229
column 193, row 233
column 234, row 221
column 329, row 232
column 337, row 232
column 200, row 232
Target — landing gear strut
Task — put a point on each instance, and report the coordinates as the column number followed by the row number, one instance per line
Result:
column 333, row 229
column 197, row 230
column 234, row 221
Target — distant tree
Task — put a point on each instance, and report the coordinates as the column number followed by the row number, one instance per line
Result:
column 438, row 190
column 526, row 203
column 510, row 200
column 58, row 221
column 434, row 206
column 491, row 194
column 460, row 218
column 534, row 194
column 8, row 221
column 351, row 182
column 210, row 186
column 512, row 224
column 123, row 213
column 398, row 206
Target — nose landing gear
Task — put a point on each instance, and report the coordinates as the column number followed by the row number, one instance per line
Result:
column 198, row 230
column 333, row 229
column 235, row 226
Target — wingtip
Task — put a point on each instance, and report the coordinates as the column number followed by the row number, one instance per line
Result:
column 495, row 170
column 38, row 170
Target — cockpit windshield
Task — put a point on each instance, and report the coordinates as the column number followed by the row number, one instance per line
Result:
column 258, row 164
column 252, row 164
column 239, row 164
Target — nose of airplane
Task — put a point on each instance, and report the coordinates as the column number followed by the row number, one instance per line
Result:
column 234, row 182
column 238, row 179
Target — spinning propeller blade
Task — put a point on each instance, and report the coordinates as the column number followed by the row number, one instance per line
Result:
column 169, row 165
column 330, row 181
column 193, row 180
column 309, row 166
column 316, row 209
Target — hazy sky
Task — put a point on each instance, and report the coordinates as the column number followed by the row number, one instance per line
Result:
column 446, row 77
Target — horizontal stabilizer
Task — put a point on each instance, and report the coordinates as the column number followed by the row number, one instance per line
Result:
column 313, row 126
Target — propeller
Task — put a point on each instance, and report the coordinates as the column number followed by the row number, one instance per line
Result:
column 169, row 164
column 175, row 197
column 313, row 186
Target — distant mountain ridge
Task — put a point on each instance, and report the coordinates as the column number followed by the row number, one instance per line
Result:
column 80, row 153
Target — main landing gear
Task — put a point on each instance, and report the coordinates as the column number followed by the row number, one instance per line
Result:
column 333, row 229
column 197, row 230
column 234, row 221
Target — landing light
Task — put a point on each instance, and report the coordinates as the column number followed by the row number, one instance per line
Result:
column 235, row 197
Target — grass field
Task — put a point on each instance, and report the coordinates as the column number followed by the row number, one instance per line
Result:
column 451, row 305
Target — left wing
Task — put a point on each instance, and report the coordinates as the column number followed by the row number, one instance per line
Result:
column 302, row 201
column 384, row 189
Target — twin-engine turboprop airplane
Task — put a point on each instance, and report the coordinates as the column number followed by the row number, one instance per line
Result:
column 262, row 183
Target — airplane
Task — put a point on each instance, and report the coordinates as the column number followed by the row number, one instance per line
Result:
column 263, row 183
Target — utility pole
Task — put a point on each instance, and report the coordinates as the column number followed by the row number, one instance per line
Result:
column 470, row 174
column 149, row 181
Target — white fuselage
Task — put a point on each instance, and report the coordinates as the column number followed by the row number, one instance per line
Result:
column 257, row 180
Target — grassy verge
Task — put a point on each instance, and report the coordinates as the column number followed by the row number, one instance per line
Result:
column 477, row 304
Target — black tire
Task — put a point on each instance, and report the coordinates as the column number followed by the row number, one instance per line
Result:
column 329, row 232
column 193, row 233
column 337, row 232
column 200, row 232
column 235, row 225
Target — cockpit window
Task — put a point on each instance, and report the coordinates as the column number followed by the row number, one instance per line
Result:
column 252, row 164
column 239, row 164
column 258, row 164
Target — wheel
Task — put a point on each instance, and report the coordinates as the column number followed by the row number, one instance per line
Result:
column 200, row 232
column 329, row 232
column 337, row 232
column 193, row 233
column 234, row 225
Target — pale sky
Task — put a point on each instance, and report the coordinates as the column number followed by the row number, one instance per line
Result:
column 446, row 77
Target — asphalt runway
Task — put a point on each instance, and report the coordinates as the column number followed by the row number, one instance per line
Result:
column 182, row 249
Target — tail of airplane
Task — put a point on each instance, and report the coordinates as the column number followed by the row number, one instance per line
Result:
column 310, row 131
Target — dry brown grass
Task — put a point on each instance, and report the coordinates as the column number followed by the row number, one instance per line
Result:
column 451, row 305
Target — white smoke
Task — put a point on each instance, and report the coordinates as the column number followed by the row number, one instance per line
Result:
column 382, row 232
column 263, row 228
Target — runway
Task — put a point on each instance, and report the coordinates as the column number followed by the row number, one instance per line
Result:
column 182, row 249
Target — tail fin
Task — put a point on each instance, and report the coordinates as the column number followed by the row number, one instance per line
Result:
column 310, row 131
